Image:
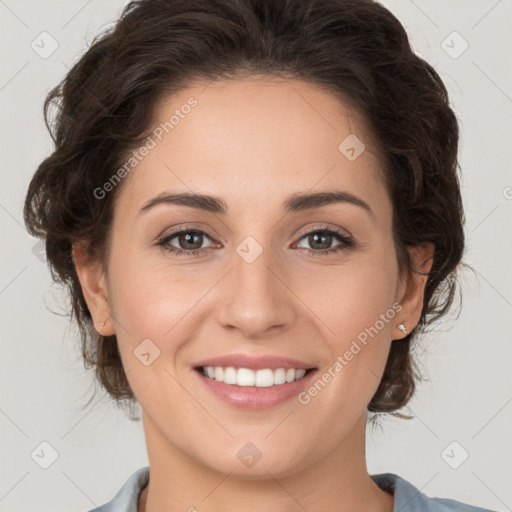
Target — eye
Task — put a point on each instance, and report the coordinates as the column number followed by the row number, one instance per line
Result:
column 189, row 241
column 321, row 240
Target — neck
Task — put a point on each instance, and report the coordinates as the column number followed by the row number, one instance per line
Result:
column 338, row 482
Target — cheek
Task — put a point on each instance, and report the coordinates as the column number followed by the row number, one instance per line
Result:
column 152, row 305
column 164, row 304
column 348, row 298
column 151, row 298
column 356, row 309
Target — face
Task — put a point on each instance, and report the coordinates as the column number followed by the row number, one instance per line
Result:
column 261, row 274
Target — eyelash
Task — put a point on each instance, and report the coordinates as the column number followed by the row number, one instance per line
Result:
column 347, row 242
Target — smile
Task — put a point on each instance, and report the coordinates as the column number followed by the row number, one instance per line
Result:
column 261, row 378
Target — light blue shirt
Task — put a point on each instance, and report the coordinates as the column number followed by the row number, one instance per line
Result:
column 407, row 497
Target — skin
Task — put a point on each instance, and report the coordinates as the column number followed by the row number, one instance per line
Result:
column 253, row 142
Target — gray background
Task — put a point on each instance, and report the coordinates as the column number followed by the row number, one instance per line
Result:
column 468, row 396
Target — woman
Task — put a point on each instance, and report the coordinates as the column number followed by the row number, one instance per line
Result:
column 255, row 205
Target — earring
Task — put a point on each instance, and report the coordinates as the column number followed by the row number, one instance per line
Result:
column 402, row 328
column 102, row 324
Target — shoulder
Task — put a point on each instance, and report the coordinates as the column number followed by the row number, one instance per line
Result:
column 127, row 496
column 408, row 497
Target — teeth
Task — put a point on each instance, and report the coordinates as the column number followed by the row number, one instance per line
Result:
column 280, row 376
column 219, row 373
column 229, row 375
column 264, row 378
column 247, row 377
column 299, row 374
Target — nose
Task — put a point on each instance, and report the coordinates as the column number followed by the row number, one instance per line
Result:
column 255, row 299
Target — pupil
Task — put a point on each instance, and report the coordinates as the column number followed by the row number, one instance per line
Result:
column 188, row 237
column 323, row 235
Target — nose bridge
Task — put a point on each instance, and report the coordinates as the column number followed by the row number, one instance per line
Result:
column 255, row 298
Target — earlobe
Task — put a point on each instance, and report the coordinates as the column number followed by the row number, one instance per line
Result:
column 92, row 279
column 412, row 299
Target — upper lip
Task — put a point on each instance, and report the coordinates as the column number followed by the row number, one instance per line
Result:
column 254, row 363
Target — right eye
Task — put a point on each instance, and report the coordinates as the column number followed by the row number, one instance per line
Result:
column 187, row 238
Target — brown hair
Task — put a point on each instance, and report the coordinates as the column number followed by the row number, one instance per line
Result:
column 355, row 48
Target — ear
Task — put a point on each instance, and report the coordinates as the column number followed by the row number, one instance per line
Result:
column 412, row 287
column 93, row 281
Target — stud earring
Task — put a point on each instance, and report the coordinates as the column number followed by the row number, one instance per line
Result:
column 402, row 328
column 102, row 324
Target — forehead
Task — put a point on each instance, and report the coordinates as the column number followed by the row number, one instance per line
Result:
column 251, row 140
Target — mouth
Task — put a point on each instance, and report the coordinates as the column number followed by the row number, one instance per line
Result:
column 254, row 382
column 246, row 377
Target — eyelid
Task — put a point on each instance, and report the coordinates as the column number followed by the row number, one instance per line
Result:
column 326, row 227
column 180, row 229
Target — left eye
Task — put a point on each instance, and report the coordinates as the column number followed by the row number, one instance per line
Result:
column 325, row 237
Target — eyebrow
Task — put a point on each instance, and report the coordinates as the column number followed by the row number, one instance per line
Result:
column 298, row 202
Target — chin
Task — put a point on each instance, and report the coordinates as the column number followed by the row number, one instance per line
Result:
column 257, row 466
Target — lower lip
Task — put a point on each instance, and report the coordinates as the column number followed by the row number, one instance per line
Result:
column 251, row 397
